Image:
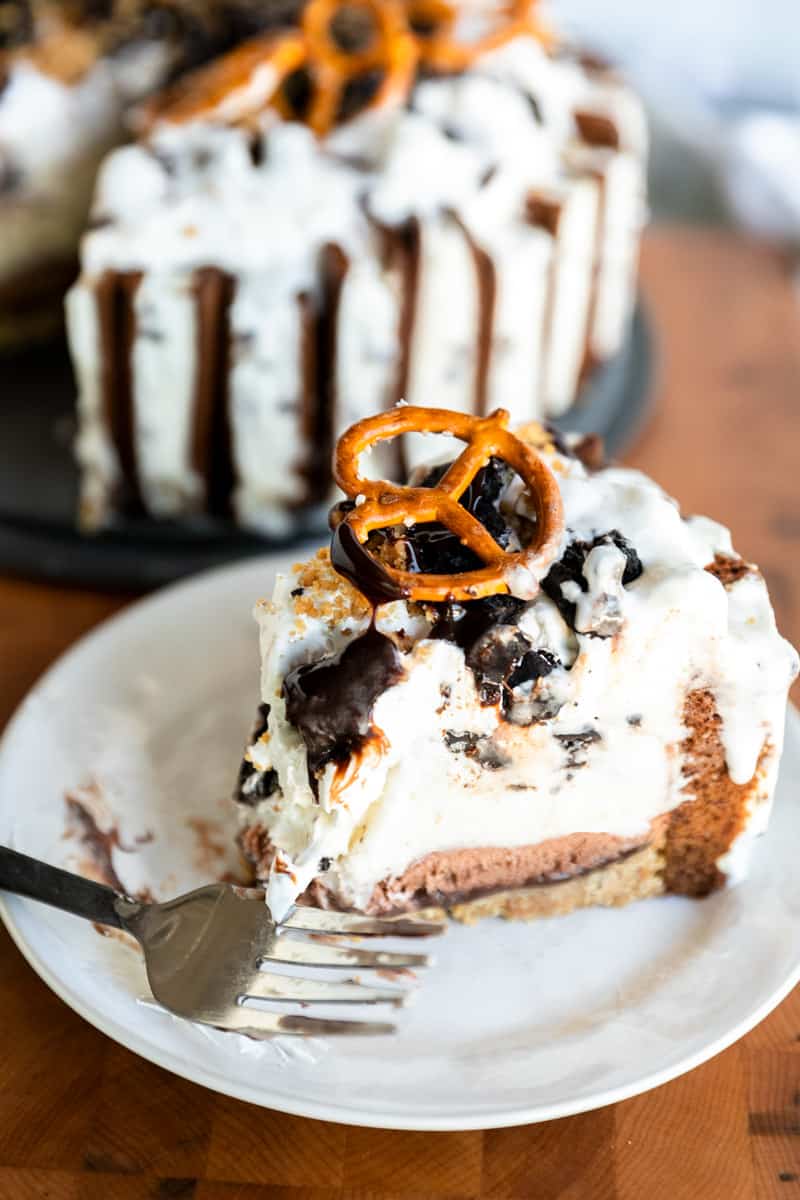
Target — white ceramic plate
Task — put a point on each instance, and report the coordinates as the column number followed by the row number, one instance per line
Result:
column 515, row 1023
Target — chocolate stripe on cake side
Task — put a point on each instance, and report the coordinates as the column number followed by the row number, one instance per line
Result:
column 486, row 278
column 114, row 296
column 211, row 449
column 589, row 361
column 406, row 244
column 401, row 251
column 309, row 388
column 544, row 212
column 320, row 406
column 573, row 225
column 597, row 132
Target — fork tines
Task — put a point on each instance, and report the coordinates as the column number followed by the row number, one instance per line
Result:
column 283, row 949
column 295, row 989
column 320, row 920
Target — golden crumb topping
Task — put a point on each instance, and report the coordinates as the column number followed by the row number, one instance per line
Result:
column 324, row 594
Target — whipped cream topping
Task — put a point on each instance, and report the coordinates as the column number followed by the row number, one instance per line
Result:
column 590, row 742
column 541, row 286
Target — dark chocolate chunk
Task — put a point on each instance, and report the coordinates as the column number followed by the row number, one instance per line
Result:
column 570, row 568
column 298, row 591
column 324, row 864
column 330, row 702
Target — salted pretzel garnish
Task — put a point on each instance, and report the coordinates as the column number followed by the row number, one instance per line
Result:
column 391, row 49
column 380, row 505
column 251, row 78
column 404, row 34
column 435, row 21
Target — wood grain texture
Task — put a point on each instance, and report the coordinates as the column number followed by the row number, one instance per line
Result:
column 83, row 1119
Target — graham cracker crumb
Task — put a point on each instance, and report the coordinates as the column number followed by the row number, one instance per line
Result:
column 730, row 569
column 326, row 594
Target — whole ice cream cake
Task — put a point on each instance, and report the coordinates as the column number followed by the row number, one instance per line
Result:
column 603, row 726
column 308, row 232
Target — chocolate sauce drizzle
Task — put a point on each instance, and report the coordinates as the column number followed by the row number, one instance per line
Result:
column 331, row 701
column 357, row 565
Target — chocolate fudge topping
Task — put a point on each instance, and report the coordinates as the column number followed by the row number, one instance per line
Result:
column 330, row 702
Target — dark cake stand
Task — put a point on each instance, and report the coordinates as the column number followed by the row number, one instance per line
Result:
column 39, row 480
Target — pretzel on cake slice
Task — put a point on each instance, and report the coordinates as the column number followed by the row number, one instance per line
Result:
column 380, row 505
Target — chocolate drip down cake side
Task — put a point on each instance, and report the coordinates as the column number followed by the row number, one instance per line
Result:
column 523, row 686
column 328, row 220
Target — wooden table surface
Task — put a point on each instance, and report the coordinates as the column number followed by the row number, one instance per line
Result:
column 81, row 1118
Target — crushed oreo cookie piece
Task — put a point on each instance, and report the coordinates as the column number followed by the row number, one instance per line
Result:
column 501, row 657
column 253, row 785
column 480, row 747
column 569, row 569
column 576, row 745
column 324, row 864
column 495, row 658
column 330, row 702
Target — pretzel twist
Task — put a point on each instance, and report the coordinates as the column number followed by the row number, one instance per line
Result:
column 405, row 33
column 435, row 22
column 381, row 505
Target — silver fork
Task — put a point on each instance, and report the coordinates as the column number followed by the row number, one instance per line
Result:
column 204, row 951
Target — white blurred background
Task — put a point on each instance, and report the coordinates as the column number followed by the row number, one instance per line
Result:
column 721, row 79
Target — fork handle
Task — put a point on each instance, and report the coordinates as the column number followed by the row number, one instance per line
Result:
column 83, row 897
